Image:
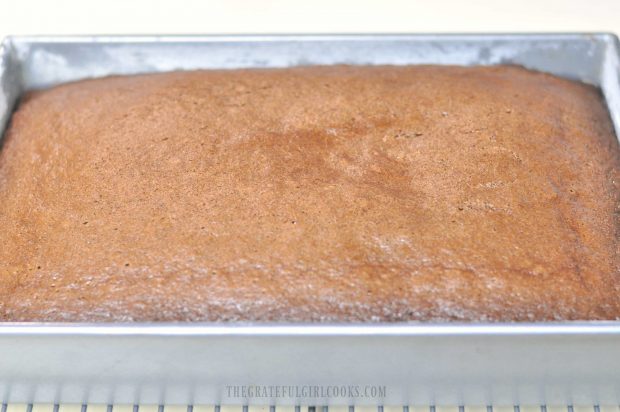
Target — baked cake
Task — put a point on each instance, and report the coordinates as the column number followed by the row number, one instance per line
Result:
column 312, row 194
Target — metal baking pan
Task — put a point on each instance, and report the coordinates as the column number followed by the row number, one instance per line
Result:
column 417, row 364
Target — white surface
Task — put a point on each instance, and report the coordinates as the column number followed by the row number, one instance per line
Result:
column 318, row 16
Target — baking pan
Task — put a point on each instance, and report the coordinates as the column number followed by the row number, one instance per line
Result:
column 416, row 364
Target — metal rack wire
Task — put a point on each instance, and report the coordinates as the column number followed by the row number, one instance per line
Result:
column 8, row 407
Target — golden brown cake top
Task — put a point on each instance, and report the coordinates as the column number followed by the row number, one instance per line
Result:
column 312, row 194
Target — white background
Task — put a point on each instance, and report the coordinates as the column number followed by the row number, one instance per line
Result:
column 318, row 16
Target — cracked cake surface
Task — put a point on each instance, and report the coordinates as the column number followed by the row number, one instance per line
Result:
column 312, row 194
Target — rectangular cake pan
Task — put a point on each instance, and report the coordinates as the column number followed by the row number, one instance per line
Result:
column 416, row 364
